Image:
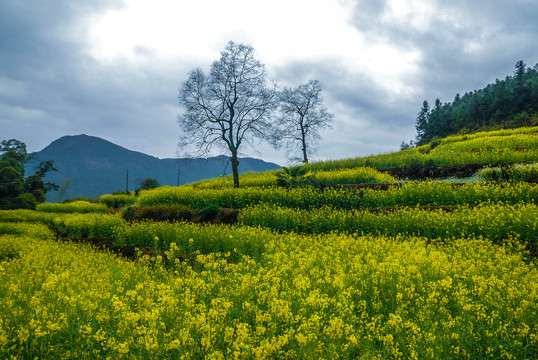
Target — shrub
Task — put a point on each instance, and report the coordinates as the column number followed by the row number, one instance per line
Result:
column 117, row 201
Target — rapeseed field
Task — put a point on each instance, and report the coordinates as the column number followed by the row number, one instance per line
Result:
column 407, row 270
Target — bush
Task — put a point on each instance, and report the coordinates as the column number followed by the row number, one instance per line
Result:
column 26, row 201
column 117, row 201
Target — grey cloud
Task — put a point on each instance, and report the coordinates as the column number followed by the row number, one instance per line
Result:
column 49, row 77
column 358, row 92
column 368, row 119
column 502, row 32
column 49, row 87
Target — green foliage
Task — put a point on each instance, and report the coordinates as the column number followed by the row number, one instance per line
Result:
column 508, row 103
column 26, row 201
column 147, row 183
column 495, row 222
column 11, row 182
column 161, row 212
column 516, row 172
column 15, row 190
column 209, row 212
column 72, row 207
column 408, row 194
column 291, row 176
column 14, row 149
column 117, row 201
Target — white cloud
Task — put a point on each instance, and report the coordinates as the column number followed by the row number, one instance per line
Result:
column 280, row 31
column 414, row 13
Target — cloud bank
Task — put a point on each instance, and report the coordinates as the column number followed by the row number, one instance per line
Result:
column 112, row 68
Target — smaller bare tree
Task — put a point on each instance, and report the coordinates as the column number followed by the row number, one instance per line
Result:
column 303, row 115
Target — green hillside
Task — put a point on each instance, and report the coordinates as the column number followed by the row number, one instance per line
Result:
column 392, row 256
column 508, row 103
column 450, row 156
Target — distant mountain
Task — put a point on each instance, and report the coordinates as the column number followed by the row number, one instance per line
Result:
column 89, row 166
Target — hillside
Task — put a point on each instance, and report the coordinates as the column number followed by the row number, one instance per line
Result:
column 508, row 103
column 453, row 156
column 96, row 166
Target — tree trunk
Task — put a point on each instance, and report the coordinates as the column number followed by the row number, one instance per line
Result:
column 305, row 158
column 235, row 164
column 303, row 140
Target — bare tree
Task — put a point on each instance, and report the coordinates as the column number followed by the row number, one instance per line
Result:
column 231, row 105
column 303, row 116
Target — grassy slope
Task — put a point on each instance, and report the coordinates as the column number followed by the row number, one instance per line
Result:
column 514, row 145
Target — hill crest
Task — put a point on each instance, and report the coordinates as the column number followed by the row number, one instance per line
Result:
column 89, row 166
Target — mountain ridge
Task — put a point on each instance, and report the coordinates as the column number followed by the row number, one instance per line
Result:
column 89, row 166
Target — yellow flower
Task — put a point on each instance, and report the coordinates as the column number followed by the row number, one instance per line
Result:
column 53, row 326
column 301, row 339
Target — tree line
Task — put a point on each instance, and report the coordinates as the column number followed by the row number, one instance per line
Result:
column 235, row 104
column 512, row 102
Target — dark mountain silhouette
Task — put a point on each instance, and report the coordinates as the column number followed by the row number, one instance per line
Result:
column 89, row 166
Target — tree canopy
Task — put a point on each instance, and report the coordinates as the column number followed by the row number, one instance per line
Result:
column 16, row 191
column 512, row 102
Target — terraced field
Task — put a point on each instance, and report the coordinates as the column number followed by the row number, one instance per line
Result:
column 346, row 261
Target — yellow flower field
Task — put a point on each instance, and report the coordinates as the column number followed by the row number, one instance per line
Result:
column 327, row 297
column 414, row 270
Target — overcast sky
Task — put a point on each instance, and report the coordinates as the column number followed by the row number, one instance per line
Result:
column 112, row 68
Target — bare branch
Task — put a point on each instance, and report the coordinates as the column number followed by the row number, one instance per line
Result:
column 303, row 116
column 228, row 106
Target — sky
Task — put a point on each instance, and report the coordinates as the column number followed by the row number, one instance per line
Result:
column 112, row 68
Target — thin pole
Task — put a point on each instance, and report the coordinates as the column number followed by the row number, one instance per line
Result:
column 178, row 170
column 126, row 180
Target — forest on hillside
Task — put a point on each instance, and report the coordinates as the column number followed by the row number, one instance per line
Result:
column 508, row 103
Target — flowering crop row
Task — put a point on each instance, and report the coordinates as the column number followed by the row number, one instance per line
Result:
column 38, row 231
column 29, row 216
column 410, row 194
column 73, row 207
column 191, row 238
column 324, row 296
column 87, row 225
column 495, row 222
column 517, row 145
column 158, row 236
column 358, row 175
